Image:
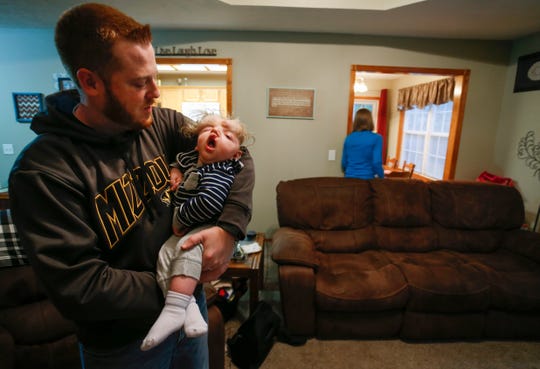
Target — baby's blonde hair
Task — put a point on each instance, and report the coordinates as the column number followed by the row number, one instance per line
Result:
column 241, row 133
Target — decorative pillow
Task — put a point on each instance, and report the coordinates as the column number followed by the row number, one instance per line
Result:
column 11, row 252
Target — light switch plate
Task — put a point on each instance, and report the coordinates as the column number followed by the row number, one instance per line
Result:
column 331, row 154
column 7, row 149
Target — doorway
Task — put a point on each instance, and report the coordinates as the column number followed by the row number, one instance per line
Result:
column 375, row 79
column 195, row 86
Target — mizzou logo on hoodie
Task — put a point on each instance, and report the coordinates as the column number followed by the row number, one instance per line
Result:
column 119, row 205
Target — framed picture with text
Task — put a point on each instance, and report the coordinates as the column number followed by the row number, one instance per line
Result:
column 293, row 103
column 528, row 73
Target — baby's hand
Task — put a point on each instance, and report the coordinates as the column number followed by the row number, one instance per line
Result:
column 176, row 178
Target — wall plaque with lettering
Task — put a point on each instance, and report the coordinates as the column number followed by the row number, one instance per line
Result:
column 290, row 103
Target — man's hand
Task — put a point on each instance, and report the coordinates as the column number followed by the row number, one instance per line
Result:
column 218, row 246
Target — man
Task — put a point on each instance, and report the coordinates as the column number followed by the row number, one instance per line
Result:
column 89, row 194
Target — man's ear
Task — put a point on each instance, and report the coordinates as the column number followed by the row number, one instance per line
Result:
column 89, row 81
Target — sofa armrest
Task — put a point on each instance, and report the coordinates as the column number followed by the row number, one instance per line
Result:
column 7, row 349
column 297, row 290
column 294, row 247
column 524, row 243
column 294, row 252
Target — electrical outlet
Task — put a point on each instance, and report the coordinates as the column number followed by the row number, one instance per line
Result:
column 7, row 149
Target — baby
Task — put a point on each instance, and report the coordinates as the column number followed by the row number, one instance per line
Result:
column 201, row 180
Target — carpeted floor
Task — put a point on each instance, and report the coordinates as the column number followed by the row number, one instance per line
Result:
column 383, row 354
column 395, row 354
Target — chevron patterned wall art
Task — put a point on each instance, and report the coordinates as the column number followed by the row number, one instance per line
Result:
column 27, row 105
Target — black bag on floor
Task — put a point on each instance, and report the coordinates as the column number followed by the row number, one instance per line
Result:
column 252, row 342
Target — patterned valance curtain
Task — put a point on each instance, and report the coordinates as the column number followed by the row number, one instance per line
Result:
column 419, row 96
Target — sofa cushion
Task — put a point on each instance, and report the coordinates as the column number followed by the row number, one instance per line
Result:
column 467, row 240
column 402, row 216
column 328, row 203
column 359, row 282
column 343, row 240
column 401, row 203
column 19, row 286
column 472, row 215
column 442, row 282
column 514, row 280
column 476, row 205
column 36, row 323
column 336, row 212
column 415, row 239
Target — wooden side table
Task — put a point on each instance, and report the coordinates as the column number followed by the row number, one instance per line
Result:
column 252, row 268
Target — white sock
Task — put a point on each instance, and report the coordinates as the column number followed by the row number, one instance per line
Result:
column 170, row 320
column 194, row 326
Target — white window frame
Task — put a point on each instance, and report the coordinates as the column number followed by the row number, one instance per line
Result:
column 423, row 127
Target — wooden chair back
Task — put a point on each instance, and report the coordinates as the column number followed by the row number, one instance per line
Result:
column 391, row 163
column 408, row 168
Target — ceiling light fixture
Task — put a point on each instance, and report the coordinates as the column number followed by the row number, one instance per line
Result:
column 360, row 86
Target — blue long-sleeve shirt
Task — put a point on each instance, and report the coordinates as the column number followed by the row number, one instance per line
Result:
column 362, row 155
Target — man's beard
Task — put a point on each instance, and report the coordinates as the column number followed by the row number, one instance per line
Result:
column 115, row 111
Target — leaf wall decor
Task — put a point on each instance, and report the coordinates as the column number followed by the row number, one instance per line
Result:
column 529, row 151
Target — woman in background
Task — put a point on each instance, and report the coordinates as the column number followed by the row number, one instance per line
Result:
column 362, row 150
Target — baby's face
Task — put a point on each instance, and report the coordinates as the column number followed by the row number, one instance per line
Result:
column 218, row 141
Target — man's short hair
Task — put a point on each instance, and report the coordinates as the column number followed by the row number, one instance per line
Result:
column 85, row 35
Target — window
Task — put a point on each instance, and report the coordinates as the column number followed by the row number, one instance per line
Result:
column 425, row 138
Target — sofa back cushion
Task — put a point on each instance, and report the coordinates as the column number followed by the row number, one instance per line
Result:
column 336, row 212
column 401, row 203
column 473, row 216
column 402, row 215
column 476, row 205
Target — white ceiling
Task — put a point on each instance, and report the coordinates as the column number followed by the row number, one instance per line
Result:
column 459, row 19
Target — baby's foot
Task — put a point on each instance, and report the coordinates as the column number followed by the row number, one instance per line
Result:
column 194, row 325
column 170, row 320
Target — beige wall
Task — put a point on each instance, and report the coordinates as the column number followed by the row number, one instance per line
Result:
column 520, row 113
column 291, row 148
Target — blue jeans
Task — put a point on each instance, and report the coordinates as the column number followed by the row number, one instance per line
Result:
column 176, row 352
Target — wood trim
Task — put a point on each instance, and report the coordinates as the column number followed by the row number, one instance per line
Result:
column 400, row 134
column 407, row 70
column 225, row 61
column 229, row 89
column 454, row 137
column 351, row 98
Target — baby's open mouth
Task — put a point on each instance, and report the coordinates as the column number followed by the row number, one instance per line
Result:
column 212, row 142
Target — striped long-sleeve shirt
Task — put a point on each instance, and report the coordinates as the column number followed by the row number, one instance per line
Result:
column 201, row 195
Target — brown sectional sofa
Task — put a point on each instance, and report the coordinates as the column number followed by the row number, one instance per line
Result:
column 405, row 258
column 33, row 334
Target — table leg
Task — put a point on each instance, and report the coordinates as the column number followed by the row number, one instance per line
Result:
column 253, row 292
